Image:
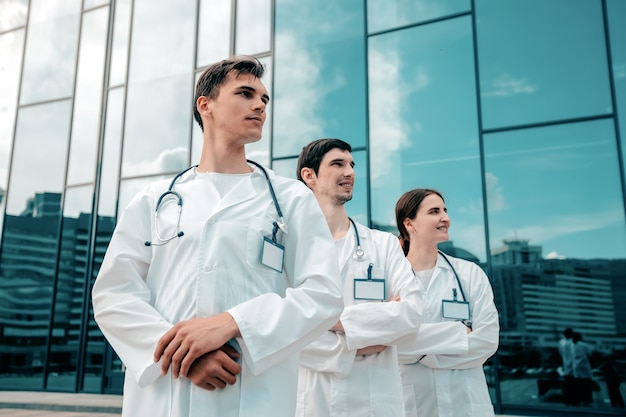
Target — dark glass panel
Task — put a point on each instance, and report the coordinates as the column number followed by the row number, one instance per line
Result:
column 88, row 98
column 558, row 243
column 30, row 242
column 70, row 290
column 617, row 31
column 214, row 31
column 423, row 126
column 319, row 74
column 389, row 14
column 51, row 45
column 541, row 61
column 254, row 20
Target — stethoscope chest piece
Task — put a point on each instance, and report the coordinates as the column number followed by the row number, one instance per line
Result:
column 359, row 254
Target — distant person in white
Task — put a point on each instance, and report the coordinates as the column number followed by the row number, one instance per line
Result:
column 444, row 376
column 352, row 369
column 566, row 350
column 207, row 292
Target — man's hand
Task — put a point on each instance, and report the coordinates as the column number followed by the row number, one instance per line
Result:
column 338, row 328
column 370, row 350
column 215, row 369
column 188, row 340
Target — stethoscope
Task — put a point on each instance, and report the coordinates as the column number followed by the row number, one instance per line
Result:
column 179, row 201
column 359, row 253
column 455, row 274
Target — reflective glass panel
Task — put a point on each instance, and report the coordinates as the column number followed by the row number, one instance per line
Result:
column 617, row 31
column 357, row 207
column 111, row 154
column 30, row 241
column 254, row 20
column 11, row 45
column 389, row 14
column 70, row 290
column 12, row 14
column 541, row 61
column 423, row 125
column 214, row 29
column 119, row 51
column 51, row 46
column 88, row 98
column 558, row 243
column 160, row 85
column 40, row 150
column 319, row 74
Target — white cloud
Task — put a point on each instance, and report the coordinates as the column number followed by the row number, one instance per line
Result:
column 506, row 85
column 495, row 195
column 554, row 255
column 168, row 160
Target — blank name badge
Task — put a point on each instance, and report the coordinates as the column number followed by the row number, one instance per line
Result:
column 369, row 289
column 273, row 254
column 457, row 310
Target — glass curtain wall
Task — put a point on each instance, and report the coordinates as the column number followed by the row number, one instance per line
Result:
column 83, row 128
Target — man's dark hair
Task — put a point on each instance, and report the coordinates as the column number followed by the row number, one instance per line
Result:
column 568, row 333
column 313, row 153
column 214, row 76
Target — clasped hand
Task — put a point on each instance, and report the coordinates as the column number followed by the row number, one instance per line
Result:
column 196, row 347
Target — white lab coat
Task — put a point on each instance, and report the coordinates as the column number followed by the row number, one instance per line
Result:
column 332, row 381
column 449, row 381
column 142, row 291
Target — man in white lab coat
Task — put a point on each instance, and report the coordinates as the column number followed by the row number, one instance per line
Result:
column 209, row 287
column 352, row 369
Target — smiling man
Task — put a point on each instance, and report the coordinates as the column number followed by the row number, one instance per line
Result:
column 209, row 288
column 352, row 369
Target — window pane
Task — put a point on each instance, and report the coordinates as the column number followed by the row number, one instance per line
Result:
column 541, row 66
column 253, row 26
column 51, row 45
column 70, row 290
column 13, row 14
column 111, row 154
column 11, row 45
column 159, row 108
column 617, row 31
column 39, row 154
column 389, row 14
column 93, row 3
column 558, row 242
column 30, row 241
column 214, row 28
column 88, row 98
column 119, row 51
column 319, row 74
column 423, row 125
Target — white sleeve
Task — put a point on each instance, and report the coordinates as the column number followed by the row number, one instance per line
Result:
column 122, row 300
column 386, row 323
column 274, row 327
column 484, row 338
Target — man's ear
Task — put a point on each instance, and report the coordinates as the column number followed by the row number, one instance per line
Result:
column 203, row 105
column 308, row 176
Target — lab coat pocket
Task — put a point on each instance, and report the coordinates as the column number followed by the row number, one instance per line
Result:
column 258, row 229
column 386, row 391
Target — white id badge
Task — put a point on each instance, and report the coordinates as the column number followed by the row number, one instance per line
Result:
column 458, row 310
column 369, row 289
column 273, row 254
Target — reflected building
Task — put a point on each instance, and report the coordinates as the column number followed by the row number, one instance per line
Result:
column 514, row 110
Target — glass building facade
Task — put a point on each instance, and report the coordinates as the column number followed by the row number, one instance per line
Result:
column 514, row 109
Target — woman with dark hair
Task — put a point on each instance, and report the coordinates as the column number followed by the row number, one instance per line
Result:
column 443, row 374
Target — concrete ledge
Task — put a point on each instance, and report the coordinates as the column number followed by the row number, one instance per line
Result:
column 55, row 401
